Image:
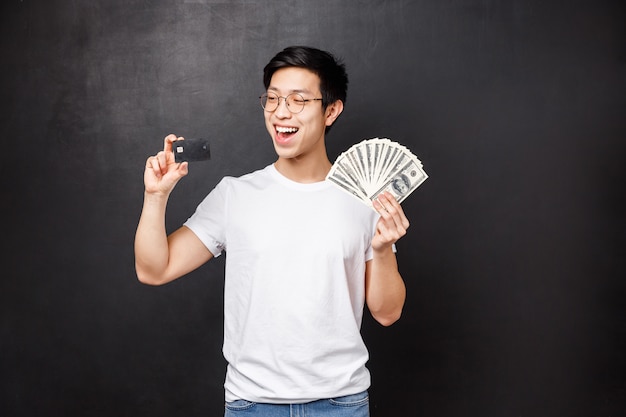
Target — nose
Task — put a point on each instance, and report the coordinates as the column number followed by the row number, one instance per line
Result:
column 282, row 111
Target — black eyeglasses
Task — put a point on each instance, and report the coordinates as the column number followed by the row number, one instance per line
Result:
column 295, row 102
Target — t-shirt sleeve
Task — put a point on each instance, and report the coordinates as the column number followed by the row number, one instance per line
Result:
column 209, row 220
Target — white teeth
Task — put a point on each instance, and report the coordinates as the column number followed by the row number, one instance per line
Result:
column 280, row 129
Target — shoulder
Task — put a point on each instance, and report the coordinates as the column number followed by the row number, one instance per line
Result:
column 257, row 177
column 262, row 174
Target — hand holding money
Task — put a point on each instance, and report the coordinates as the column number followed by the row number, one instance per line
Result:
column 374, row 166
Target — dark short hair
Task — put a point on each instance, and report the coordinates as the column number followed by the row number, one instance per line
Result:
column 332, row 72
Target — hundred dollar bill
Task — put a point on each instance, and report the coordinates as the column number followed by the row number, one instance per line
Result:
column 403, row 182
column 349, row 189
column 357, row 165
column 375, row 165
column 338, row 176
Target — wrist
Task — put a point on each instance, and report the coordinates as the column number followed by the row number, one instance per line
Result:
column 383, row 251
column 155, row 198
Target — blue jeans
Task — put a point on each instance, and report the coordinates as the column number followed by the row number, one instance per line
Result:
column 356, row 405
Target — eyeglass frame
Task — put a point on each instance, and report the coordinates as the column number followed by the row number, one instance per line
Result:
column 304, row 101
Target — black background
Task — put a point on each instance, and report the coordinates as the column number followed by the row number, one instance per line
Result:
column 514, row 262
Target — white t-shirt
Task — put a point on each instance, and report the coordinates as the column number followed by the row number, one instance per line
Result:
column 294, row 285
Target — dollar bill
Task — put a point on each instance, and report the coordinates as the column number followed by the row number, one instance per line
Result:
column 376, row 165
column 403, row 182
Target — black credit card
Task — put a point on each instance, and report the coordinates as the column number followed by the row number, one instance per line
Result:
column 191, row 150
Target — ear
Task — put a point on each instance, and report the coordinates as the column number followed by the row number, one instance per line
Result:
column 333, row 111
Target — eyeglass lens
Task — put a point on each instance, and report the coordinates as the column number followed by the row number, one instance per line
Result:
column 295, row 102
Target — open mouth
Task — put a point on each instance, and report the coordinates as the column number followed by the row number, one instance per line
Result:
column 283, row 133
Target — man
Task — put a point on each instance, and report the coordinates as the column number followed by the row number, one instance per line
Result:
column 302, row 256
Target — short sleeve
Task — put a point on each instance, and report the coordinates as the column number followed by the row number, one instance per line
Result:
column 208, row 222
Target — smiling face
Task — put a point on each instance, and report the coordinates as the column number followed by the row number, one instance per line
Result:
column 299, row 136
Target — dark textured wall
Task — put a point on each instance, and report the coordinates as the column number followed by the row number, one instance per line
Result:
column 515, row 260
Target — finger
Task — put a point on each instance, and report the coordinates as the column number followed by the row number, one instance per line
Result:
column 384, row 236
column 384, row 206
column 183, row 168
column 395, row 210
column 167, row 142
column 162, row 161
column 378, row 206
column 391, row 229
column 391, row 225
column 386, row 224
column 153, row 164
column 399, row 217
column 149, row 162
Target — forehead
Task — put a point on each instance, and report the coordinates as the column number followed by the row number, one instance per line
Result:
column 294, row 80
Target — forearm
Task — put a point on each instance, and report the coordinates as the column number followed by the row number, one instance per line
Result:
column 385, row 289
column 151, row 245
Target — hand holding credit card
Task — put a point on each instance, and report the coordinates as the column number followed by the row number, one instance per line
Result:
column 191, row 150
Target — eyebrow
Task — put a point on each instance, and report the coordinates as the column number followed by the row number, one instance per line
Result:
column 300, row 91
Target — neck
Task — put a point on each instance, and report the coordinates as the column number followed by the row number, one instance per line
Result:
column 304, row 171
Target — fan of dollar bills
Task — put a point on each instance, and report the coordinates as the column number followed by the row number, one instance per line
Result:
column 376, row 165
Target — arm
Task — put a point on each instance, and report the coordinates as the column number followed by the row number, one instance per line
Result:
column 385, row 292
column 160, row 258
